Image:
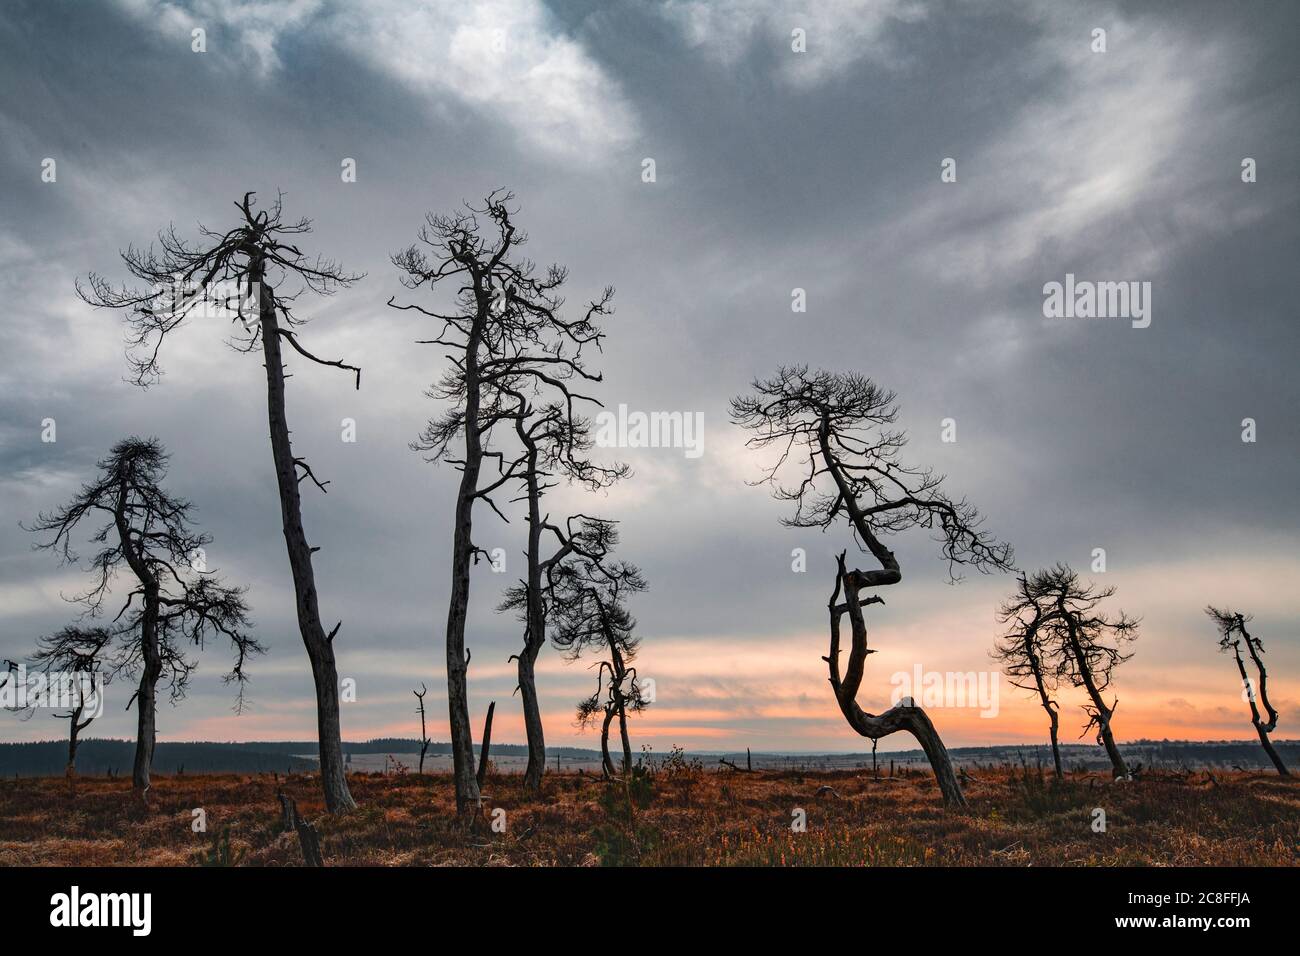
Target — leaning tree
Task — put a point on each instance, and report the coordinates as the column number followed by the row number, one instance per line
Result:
column 171, row 606
column 1024, row 654
column 1232, row 635
column 253, row 273
column 507, row 342
column 1084, row 645
column 836, row 431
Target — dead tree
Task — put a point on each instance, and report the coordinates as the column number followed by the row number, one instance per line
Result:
column 148, row 531
column 246, row 274
column 506, row 338
column 424, row 736
column 587, row 595
column 839, row 428
column 554, row 440
column 485, row 748
column 1022, row 653
column 76, row 661
column 1232, row 635
column 1084, row 645
column 308, row 838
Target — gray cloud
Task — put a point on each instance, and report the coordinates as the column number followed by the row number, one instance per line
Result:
column 773, row 173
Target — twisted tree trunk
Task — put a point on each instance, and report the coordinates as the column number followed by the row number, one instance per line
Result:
column 905, row 716
column 319, row 645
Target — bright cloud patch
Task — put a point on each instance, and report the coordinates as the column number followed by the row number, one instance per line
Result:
column 504, row 57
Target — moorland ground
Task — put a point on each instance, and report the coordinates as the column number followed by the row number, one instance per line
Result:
column 678, row 815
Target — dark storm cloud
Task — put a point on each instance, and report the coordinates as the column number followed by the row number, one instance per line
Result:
column 774, row 172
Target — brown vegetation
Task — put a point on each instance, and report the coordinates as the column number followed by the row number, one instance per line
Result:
column 679, row 815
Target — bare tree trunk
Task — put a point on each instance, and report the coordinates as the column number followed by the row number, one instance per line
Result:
column 1044, row 698
column 606, row 763
column 319, row 645
column 1260, row 727
column 75, row 726
column 462, row 553
column 308, row 838
column 1272, row 754
column 1104, row 713
column 462, row 744
column 627, row 744
column 146, row 699
column 534, row 612
column 486, row 746
column 905, row 717
column 532, row 714
column 1253, row 650
column 424, row 734
column 1056, row 747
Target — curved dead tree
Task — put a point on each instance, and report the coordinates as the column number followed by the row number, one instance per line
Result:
column 1025, row 657
column 1084, row 645
column 513, row 357
column 143, row 529
column 251, row 274
column 835, row 431
column 587, row 595
column 1232, row 635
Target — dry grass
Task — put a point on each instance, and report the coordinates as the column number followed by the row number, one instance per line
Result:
column 682, row 816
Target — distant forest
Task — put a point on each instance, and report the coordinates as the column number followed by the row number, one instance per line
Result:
column 100, row 757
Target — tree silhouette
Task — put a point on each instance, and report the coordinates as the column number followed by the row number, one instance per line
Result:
column 1083, row 644
column 839, row 429
column 554, row 441
column 1024, row 654
column 507, row 342
column 587, row 595
column 424, row 734
column 75, row 657
column 148, row 532
column 245, row 273
column 1232, row 635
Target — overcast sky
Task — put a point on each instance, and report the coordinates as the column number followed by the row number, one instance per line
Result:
column 775, row 170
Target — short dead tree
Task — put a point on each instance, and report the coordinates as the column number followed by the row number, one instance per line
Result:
column 424, row 735
column 587, row 597
column 1023, row 653
column 1232, row 636
column 839, row 428
column 147, row 531
column 76, row 661
column 1084, row 645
